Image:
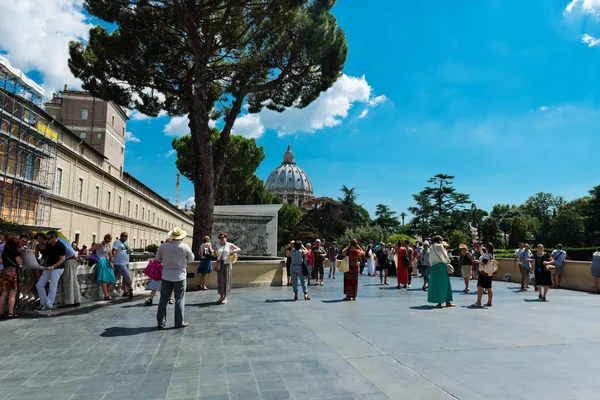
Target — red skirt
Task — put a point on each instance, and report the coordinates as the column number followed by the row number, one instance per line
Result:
column 402, row 275
column 351, row 281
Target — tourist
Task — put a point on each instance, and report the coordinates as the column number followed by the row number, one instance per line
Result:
column 11, row 263
column 465, row 260
column 486, row 275
column 363, row 263
column 382, row 263
column 425, row 265
column 309, row 261
column 518, row 251
column 55, row 253
column 370, row 262
column 334, row 252
column 155, row 286
column 404, row 259
column 120, row 255
column 299, row 255
column 595, row 269
column 353, row 251
column 542, row 264
column 174, row 256
column 414, row 263
column 319, row 260
column 206, row 256
column 70, row 285
column 559, row 256
column 390, row 251
column 224, row 266
column 477, row 253
column 84, row 252
column 288, row 262
column 440, row 287
column 105, row 276
column 525, row 266
column 25, row 243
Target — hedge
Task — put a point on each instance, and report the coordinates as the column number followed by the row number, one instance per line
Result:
column 574, row 254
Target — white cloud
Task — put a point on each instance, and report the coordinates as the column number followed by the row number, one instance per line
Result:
column 248, row 126
column 364, row 113
column 178, row 126
column 189, row 203
column 544, row 108
column 329, row 110
column 135, row 115
column 588, row 6
column 590, row 40
column 36, row 36
column 170, row 153
column 130, row 137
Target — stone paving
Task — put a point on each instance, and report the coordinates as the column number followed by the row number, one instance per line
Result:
column 261, row 345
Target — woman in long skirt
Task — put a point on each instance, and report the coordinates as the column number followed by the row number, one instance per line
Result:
column 206, row 254
column 105, row 276
column 440, row 287
column 354, row 252
column 370, row 264
column 224, row 266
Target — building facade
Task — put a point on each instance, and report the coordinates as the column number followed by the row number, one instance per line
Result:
column 62, row 167
column 289, row 181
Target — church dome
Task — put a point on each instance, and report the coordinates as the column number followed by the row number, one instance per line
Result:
column 289, row 181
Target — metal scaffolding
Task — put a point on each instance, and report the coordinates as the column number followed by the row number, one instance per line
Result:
column 28, row 146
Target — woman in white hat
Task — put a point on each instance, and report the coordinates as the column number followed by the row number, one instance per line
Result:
column 174, row 256
column 225, row 259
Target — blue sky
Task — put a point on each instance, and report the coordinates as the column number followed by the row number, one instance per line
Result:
column 502, row 94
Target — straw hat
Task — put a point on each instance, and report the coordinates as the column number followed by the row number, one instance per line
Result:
column 463, row 247
column 445, row 244
column 232, row 258
column 177, row 234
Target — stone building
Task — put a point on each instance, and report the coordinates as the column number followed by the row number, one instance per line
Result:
column 289, row 181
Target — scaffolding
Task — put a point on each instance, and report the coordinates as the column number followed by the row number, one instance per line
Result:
column 28, row 147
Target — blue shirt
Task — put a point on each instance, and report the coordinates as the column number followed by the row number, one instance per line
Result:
column 69, row 252
column 559, row 257
column 524, row 255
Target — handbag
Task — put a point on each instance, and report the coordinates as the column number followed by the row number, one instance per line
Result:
column 449, row 267
column 305, row 269
column 154, row 270
column 345, row 265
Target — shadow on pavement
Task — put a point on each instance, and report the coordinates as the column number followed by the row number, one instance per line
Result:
column 279, row 301
column 121, row 331
column 533, row 300
column 335, row 301
column 424, row 307
column 207, row 304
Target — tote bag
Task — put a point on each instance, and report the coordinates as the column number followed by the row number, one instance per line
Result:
column 345, row 265
column 154, row 270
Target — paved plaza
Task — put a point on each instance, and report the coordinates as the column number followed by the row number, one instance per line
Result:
column 261, row 345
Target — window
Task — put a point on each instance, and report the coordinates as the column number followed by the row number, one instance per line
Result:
column 29, row 167
column 99, row 136
column 128, row 208
column 120, row 172
column 77, row 238
column 79, row 189
column 59, row 173
column 119, row 206
column 82, row 135
column 122, row 150
column 93, row 239
column 60, row 136
column 108, row 201
column 153, row 217
column 143, row 213
column 113, row 120
column 109, row 169
column 136, row 211
column 134, row 243
column 123, row 131
column 84, row 113
column 97, row 196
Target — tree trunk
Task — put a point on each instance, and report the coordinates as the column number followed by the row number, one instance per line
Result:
column 204, row 190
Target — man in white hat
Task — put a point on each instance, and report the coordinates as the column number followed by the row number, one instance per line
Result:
column 174, row 256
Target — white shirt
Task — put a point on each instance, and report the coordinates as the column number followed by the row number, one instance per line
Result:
column 437, row 251
column 174, row 256
column 122, row 254
column 223, row 251
column 517, row 254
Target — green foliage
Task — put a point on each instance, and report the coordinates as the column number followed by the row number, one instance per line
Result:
column 11, row 227
column 152, row 248
column 386, row 219
column 364, row 234
column 521, row 230
column 289, row 218
column 354, row 213
column 399, row 237
column 567, row 228
column 207, row 59
column 238, row 183
column 490, row 232
column 457, row 238
column 440, row 208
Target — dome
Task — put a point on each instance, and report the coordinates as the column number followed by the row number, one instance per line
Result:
column 290, row 181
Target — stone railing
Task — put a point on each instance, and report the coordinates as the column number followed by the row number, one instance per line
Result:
column 86, row 276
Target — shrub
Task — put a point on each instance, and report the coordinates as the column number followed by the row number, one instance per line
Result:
column 365, row 235
column 152, row 248
column 396, row 237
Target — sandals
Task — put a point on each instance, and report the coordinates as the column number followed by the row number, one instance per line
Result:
column 451, row 305
column 183, row 325
column 347, row 299
column 148, row 302
column 488, row 305
column 171, row 301
column 476, row 305
column 306, row 297
column 108, row 298
column 296, row 297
